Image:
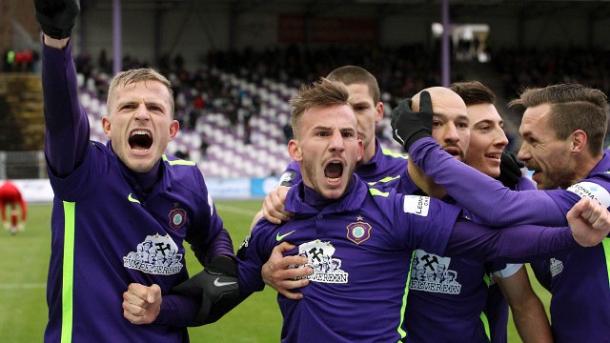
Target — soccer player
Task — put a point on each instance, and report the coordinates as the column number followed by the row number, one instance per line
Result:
column 563, row 129
column 10, row 197
column 487, row 139
column 377, row 163
column 123, row 210
column 358, row 240
column 457, row 306
column 470, row 133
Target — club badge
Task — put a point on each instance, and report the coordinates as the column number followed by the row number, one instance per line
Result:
column 359, row 231
column 177, row 218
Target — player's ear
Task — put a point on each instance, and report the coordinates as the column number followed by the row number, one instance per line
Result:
column 106, row 125
column 294, row 150
column 578, row 141
column 174, row 127
column 379, row 111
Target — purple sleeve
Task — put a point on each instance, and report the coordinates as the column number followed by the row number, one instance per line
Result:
column 253, row 253
column 66, row 124
column 421, row 222
column 177, row 310
column 209, row 238
column 491, row 202
column 525, row 184
column 517, row 244
column 292, row 175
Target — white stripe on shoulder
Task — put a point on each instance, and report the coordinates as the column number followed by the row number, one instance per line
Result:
column 591, row 190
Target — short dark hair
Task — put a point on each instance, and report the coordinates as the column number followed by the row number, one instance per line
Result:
column 323, row 92
column 351, row 74
column 474, row 92
column 573, row 107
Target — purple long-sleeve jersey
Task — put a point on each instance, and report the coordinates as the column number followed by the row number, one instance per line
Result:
column 107, row 232
column 452, row 297
column 360, row 248
column 579, row 280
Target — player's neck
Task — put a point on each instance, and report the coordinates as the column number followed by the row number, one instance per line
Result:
column 369, row 152
column 585, row 164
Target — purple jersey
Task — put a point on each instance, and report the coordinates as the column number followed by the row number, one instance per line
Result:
column 580, row 306
column 448, row 296
column 360, row 249
column 108, row 231
column 384, row 165
column 496, row 307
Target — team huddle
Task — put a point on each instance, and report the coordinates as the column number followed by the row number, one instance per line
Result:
column 362, row 245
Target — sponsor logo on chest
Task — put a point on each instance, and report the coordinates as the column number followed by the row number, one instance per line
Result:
column 156, row 255
column 431, row 273
column 326, row 268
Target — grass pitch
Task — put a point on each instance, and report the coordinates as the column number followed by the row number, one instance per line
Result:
column 23, row 272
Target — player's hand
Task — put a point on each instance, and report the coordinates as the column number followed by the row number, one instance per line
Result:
column 56, row 17
column 409, row 126
column 280, row 273
column 217, row 287
column 141, row 304
column 589, row 221
column 510, row 170
column 273, row 206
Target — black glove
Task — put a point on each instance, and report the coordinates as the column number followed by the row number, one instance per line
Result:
column 56, row 17
column 217, row 288
column 510, row 170
column 409, row 126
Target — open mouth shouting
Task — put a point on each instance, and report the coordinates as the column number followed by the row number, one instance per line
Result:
column 140, row 140
column 333, row 170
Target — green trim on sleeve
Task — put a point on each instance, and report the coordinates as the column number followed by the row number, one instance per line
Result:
column 606, row 247
column 67, row 282
column 485, row 322
column 177, row 162
column 405, row 297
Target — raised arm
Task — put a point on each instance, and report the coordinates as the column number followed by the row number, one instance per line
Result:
column 67, row 127
column 589, row 224
column 487, row 198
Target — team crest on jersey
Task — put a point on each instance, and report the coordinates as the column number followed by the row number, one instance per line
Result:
column 556, row 267
column 359, row 231
column 157, row 255
column 326, row 268
column 177, row 218
column 431, row 273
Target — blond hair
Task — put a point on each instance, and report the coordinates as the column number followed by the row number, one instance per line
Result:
column 132, row 76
